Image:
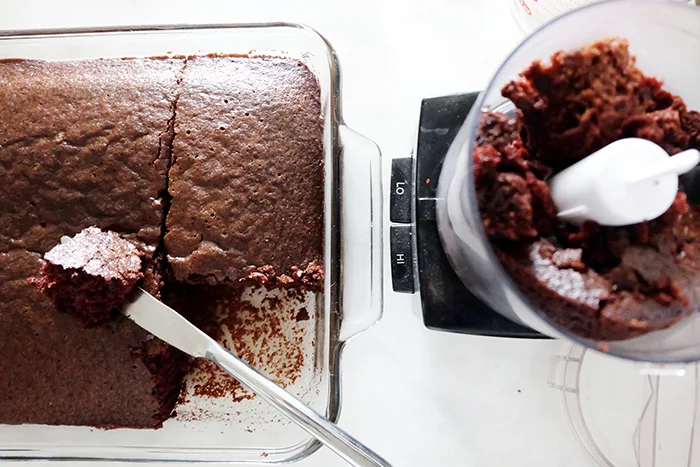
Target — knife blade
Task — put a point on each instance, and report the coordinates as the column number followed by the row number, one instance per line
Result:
column 167, row 324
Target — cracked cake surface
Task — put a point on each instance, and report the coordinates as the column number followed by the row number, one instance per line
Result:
column 99, row 143
column 247, row 180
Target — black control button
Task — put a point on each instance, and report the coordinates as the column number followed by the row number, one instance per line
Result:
column 401, row 190
column 401, row 242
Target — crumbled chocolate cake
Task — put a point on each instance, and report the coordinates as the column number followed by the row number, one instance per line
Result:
column 514, row 202
column 567, row 290
column 247, row 181
column 89, row 143
column 91, row 275
column 586, row 99
column 605, row 283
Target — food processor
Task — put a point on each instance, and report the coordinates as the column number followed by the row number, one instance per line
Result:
column 439, row 247
column 637, row 410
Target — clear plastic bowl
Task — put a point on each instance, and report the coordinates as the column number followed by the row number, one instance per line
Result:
column 665, row 37
column 650, row 419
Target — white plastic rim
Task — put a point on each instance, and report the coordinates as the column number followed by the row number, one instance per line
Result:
column 626, row 414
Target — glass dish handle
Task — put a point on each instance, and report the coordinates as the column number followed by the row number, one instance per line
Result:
column 361, row 233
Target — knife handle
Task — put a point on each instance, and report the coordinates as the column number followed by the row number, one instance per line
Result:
column 318, row 426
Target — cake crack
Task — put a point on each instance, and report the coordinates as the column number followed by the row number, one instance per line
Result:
column 160, row 255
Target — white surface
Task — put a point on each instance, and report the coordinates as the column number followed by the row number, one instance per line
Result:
column 627, row 182
column 420, row 398
column 649, row 422
column 531, row 14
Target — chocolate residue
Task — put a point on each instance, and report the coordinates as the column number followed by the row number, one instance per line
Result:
column 264, row 328
column 303, row 314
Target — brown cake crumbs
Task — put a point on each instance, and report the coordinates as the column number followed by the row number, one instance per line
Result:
column 605, row 283
column 584, row 99
column 302, row 315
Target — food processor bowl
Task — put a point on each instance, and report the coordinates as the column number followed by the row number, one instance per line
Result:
column 665, row 37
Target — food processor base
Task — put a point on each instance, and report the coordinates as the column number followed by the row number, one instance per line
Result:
column 418, row 260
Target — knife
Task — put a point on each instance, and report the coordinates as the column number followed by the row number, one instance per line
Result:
column 168, row 325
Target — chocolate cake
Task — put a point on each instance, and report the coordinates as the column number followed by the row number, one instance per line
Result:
column 55, row 371
column 247, row 181
column 586, row 99
column 605, row 283
column 84, row 144
column 88, row 144
column 91, row 275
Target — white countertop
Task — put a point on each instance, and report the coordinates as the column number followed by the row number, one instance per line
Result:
column 420, row 398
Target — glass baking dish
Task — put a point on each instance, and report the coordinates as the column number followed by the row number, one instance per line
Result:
column 223, row 430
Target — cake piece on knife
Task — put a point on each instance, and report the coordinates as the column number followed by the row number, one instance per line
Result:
column 91, row 275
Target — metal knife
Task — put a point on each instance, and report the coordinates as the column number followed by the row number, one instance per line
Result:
column 168, row 325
